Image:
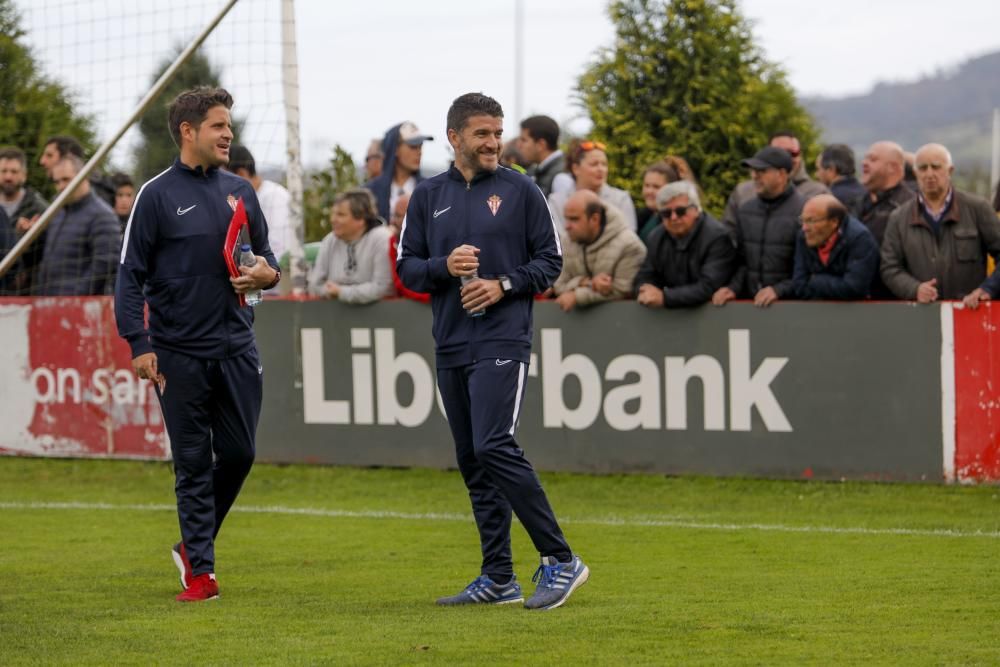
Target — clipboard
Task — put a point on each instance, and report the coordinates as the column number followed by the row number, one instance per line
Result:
column 237, row 235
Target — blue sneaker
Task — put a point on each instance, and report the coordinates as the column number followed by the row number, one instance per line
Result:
column 483, row 591
column 556, row 582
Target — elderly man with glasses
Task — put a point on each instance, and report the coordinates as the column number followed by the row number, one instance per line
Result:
column 836, row 257
column 691, row 254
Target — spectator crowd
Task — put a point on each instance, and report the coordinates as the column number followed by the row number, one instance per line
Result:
column 900, row 231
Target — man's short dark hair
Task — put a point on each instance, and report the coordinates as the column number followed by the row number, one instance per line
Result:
column 542, row 128
column 120, row 180
column 66, row 145
column 240, row 157
column 593, row 207
column 472, row 104
column 839, row 157
column 192, row 106
column 14, row 153
column 836, row 211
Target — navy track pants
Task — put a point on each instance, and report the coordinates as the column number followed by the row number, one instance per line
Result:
column 483, row 401
column 210, row 408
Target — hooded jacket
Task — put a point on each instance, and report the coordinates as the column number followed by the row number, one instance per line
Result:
column 381, row 186
column 504, row 214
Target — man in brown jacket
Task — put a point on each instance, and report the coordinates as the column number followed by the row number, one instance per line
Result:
column 935, row 246
column 600, row 256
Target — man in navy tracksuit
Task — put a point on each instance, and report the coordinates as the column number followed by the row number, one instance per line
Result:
column 490, row 228
column 199, row 347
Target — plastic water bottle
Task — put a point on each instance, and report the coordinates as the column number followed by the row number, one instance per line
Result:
column 253, row 297
column 465, row 281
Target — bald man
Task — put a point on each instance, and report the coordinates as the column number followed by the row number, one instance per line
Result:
column 601, row 255
column 836, row 257
column 936, row 246
column 882, row 173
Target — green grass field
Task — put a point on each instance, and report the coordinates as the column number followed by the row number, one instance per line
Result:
column 341, row 566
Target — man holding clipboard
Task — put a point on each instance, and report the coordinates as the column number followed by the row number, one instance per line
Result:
column 199, row 345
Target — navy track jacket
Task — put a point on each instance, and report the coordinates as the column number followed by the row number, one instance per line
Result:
column 172, row 259
column 506, row 216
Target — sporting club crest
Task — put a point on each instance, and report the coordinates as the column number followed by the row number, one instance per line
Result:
column 494, row 203
column 231, row 200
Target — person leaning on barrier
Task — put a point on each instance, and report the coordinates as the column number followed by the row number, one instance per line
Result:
column 836, row 257
column 691, row 254
column 600, row 256
column 352, row 264
column 935, row 246
column 765, row 230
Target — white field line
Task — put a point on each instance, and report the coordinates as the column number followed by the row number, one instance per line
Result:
column 591, row 521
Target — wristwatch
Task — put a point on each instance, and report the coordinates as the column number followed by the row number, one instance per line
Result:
column 505, row 285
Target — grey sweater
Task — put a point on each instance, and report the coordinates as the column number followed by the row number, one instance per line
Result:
column 361, row 267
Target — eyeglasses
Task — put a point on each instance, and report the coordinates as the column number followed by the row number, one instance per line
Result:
column 369, row 158
column 591, row 145
column 668, row 213
column 811, row 221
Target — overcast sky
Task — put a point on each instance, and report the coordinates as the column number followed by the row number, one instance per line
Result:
column 365, row 66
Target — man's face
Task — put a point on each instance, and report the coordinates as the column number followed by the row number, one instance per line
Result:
column 769, row 182
column 399, row 214
column 678, row 216
column 478, row 145
column 933, row 172
column 62, row 173
column 373, row 163
column 790, row 144
column 213, row 137
column 12, row 176
column 579, row 227
column 825, row 175
column 529, row 147
column 879, row 171
column 124, row 196
column 817, row 227
column 408, row 157
column 50, row 155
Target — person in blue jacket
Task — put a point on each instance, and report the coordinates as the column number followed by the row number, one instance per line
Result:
column 836, row 257
column 199, row 347
column 402, row 148
column 480, row 239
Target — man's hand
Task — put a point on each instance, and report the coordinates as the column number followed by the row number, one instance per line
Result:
column 722, row 296
column 24, row 224
column 332, row 290
column 463, row 261
column 258, row 276
column 975, row 297
column 145, row 367
column 765, row 297
column 567, row 300
column 480, row 294
column 602, row 284
column 650, row 296
column 927, row 292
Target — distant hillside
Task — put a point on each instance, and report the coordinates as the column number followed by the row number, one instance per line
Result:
column 953, row 107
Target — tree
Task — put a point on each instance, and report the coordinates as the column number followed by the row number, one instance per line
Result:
column 324, row 185
column 685, row 78
column 33, row 107
column 156, row 149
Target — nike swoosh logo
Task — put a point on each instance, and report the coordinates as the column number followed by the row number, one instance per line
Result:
column 502, row 362
column 444, row 210
column 182, row 211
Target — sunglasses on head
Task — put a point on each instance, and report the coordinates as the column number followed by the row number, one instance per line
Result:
column 591, row 145
column 668, row 213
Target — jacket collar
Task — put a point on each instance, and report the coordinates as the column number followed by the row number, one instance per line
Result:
column 951, row 215
column 455, row 175
column 196, row 171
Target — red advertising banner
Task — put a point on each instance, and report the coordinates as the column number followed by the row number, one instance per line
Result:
column 977, row 393
column 68, row 388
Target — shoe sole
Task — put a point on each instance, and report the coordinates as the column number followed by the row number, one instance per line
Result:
column 179, row 562
column 471, row 602
column 579, row 581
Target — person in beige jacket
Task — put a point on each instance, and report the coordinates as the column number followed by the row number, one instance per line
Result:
column 601, row 255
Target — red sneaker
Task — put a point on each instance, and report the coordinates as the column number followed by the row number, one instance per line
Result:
column 183, row 564
column 203, row 587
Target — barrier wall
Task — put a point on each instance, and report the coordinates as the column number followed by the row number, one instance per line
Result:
column 861, row 391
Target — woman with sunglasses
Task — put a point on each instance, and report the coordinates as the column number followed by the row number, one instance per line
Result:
column 588, row 163
column 352, row 264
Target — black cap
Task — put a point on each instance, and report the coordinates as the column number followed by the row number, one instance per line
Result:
column 770, row 156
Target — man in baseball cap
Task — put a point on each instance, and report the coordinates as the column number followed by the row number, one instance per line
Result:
column 402, row 147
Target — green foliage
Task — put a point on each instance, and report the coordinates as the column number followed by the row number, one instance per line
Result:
column 33, row 107
column 683, row 571
column 684, row 77
column 339, row 175
column 157, row 150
